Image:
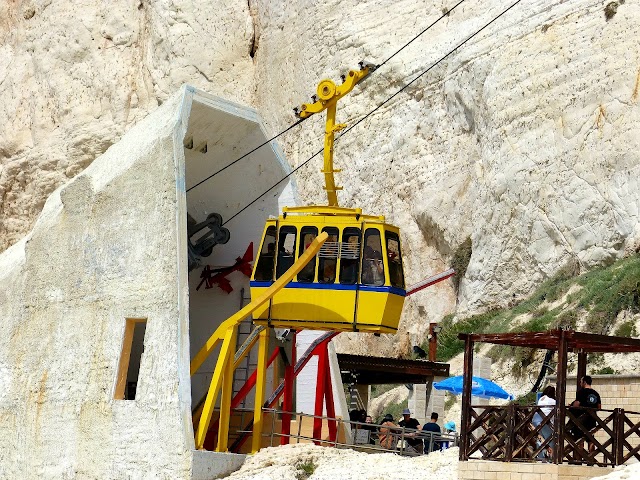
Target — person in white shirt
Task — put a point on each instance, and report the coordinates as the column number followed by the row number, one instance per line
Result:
column 547, row 402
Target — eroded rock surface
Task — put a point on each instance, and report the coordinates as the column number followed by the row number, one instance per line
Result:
column 526, row 140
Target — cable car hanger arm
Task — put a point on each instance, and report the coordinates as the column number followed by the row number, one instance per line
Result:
column 327, row 98
column 328, row 93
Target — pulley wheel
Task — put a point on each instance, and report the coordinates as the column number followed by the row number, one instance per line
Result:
column 326, row 89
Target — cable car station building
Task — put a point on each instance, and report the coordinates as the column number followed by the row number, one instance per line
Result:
column 100, row 314
column 129, row 317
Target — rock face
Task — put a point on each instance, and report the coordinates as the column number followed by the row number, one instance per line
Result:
column 526, row 140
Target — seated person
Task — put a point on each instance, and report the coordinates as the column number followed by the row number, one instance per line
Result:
column 264, row 270
column 386, row 433
column 450, row 429
column 329, row 271
column 414, row 441
column 431, row 444
column 377, row 268
column 370, row 427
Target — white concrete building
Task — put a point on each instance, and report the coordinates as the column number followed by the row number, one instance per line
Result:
column 85, row 390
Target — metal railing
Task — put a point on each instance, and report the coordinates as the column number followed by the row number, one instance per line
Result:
column 367, row 437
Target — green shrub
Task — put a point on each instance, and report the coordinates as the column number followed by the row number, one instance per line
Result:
column 522, row 358
column 605, row 371
column 449, row 400
column 448, row 343
column 626, row 329
column 395, row 410
column 604, row 293
column 460, row 261
column 567, row 320
column 305, row 470
column 528, row 398
column 377, row 390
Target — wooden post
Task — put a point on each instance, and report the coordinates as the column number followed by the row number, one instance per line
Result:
column 466, row 398
column 433, row 342
column 511, row 432
column 582, row 368
column 618, row 436
column 561, row 395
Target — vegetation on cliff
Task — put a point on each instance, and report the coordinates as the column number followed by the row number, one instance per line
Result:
column 595, row 301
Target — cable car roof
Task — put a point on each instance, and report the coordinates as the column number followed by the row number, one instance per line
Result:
column 324, row 210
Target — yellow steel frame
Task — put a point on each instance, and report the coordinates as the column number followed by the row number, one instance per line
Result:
column 222, row 378
column 328, row 95
column 261, row 381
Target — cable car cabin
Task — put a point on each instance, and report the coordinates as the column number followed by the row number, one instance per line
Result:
column 354, row 283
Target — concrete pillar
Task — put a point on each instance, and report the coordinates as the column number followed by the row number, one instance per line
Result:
column 481, row 368
column 424, row 399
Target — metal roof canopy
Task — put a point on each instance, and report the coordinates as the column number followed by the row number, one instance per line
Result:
column 550, row 340
column 561, row 341
column 381, row 371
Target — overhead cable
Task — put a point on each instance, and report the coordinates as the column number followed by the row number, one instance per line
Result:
column 444, row 14
column 246, row 154
column 302, row 119
column 377, row 108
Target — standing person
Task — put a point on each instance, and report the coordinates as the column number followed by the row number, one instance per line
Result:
column 413, row 439
column 387, row 438
column 585, row 397
column 432, row 426
column 547, row 401
column 372, row 267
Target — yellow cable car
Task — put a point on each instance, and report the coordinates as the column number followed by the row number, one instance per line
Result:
column 356, row 281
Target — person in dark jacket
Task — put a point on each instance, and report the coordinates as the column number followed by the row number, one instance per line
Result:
column 586, row 397
column 414, row 441
column 433, row 427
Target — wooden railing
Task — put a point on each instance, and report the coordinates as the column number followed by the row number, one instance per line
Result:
column 516, row 433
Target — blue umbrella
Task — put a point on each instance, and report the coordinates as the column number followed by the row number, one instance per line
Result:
column 480, row 387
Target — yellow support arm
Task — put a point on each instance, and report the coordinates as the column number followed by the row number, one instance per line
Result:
column 261, row 381
column 227, row 332
column 278, row 285
column 328, row 95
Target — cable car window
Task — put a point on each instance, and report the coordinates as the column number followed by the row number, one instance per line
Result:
column 264, row 270
column 349, row 255
column 328, row 256
column 395, row 260
column 286, row 249
column 307, row 235
column 372, row 265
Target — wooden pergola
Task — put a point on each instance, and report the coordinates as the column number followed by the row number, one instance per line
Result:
column 380, row 370
column 563, row 342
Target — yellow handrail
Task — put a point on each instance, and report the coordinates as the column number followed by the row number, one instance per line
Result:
column 227, row 332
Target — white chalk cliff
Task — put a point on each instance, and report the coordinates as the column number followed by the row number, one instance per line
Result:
column 526, row 140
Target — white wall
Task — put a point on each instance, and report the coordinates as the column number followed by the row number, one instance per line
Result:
column 109, row 245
